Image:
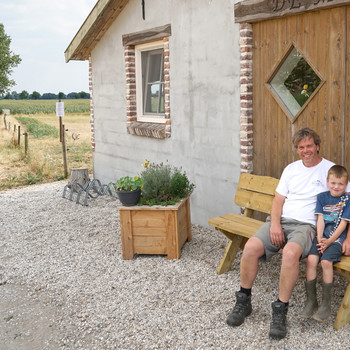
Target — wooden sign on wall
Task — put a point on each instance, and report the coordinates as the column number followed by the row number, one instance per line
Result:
column 260, row 10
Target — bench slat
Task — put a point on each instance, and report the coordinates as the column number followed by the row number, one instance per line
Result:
column 236, row 224
column 261, row 184
column 344, row 263
column 254, row 200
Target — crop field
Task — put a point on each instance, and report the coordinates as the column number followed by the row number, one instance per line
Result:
column 44, row 159
column 44, row 106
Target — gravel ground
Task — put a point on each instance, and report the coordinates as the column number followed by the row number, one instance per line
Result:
column 64, row 285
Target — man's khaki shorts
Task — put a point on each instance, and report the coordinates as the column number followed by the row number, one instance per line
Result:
column 294, row 231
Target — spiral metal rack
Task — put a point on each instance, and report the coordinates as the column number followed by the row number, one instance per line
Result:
column 92, row 189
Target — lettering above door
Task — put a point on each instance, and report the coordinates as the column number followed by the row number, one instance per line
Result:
column 258, row 10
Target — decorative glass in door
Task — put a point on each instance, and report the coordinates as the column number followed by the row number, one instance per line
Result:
column 294, row 83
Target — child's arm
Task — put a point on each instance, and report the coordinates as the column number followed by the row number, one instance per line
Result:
column 320, row 227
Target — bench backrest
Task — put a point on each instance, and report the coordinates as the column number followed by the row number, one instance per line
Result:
column 255, row 193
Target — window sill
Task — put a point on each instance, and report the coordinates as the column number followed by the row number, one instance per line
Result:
column 154, row 130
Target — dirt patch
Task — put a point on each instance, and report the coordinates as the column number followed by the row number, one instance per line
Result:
column 26, row 319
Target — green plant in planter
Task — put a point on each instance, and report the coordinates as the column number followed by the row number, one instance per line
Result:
column 129, row 190
column 127, row 183
column 164, row 185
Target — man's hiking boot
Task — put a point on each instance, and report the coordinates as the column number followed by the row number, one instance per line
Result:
column 278, row 328
column 242, row 309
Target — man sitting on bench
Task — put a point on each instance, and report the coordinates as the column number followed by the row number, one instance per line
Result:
column 291, row 226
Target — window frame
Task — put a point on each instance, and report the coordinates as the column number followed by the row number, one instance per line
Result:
column 158, row 130
column 140, row 89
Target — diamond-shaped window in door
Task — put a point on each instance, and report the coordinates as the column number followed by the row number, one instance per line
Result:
column 294, row 83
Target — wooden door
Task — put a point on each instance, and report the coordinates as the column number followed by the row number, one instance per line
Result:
column 321, row 38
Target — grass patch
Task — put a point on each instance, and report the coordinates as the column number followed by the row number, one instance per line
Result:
column 37, row 128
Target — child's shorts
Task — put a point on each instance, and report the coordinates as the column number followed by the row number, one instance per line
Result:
column 332, row 253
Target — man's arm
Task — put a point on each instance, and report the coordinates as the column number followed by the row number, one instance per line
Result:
column 276, row 232
column 346, row 243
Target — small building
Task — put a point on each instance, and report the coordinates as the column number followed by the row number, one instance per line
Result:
column 217, row 87
column 164, row 84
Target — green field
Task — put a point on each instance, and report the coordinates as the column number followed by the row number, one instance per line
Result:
column 37, row 128
column 44, row 106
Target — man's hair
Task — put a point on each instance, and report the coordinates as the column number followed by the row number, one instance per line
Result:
column 305, row 133
column 338, row 171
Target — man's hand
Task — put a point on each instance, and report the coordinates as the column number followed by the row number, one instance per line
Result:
column 276, row 232
column 277, row 235
column 346, row 245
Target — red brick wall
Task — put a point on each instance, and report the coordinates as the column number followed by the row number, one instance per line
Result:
column 91, row 107
column 246, row 97
column 151, row 129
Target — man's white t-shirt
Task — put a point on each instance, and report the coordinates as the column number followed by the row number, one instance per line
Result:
column 301, row 185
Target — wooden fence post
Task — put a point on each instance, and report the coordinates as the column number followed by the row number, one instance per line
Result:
column 64, row 152
column 25, row 143
column 61, row 129
column 19, row 135
column 5, row 121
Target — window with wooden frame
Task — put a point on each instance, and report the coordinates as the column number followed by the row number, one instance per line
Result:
column 149, row 61
column 148, row 82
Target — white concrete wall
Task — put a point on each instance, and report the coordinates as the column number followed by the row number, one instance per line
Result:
column 204, row 100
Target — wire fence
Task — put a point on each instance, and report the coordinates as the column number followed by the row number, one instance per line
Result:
column 16, row 133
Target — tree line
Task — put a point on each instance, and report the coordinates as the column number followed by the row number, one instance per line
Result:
column 35, row 95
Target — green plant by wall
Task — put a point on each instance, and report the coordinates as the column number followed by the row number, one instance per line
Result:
column 164, row 185
column 127, row 183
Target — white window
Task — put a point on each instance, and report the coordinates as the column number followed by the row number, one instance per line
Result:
column 149, row 61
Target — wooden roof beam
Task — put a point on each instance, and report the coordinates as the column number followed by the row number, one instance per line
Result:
column 96, row 24
column 259, row 10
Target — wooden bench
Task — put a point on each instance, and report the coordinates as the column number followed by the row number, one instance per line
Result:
column 255, row 194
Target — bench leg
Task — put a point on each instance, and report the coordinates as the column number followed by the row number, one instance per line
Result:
column 243, row 242
column 230, row 254
column 343, row 316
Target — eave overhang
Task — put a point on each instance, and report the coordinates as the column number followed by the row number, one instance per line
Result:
column 96, row 24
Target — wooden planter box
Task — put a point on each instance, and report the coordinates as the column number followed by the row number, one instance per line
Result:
column 156, row 229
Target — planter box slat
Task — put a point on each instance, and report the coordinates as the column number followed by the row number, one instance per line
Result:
column 143, row 218
column 150, row 245
column 149, row 231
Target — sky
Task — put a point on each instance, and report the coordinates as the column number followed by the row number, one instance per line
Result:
column 40, row 32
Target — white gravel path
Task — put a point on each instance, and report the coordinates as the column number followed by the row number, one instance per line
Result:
column 64, row 285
